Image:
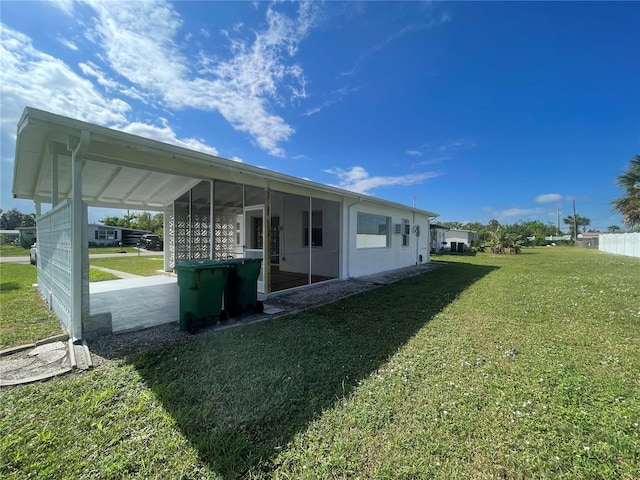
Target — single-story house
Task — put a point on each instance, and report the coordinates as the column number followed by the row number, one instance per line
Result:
column 27, row 235
column 438, row 241
column 460, row 240
column 9, row 236
column 110, row 235
column 305, row 232
column 588, row 240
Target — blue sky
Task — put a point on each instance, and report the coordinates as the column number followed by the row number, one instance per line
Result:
column 479, row 110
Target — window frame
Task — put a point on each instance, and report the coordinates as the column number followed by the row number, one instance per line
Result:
column 366, row 224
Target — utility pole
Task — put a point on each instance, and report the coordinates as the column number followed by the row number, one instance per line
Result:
column 558, row 219
column 575, row 224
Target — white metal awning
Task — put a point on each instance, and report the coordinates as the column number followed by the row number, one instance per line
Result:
column 121, row 170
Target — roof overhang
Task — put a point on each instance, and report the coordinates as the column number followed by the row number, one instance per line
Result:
column 121, row 170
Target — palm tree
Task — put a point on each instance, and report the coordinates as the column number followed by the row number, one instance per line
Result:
column 613, row 229
column 629, row 204
column 583, row 222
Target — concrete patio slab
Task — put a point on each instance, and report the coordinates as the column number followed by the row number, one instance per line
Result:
column 136, row 303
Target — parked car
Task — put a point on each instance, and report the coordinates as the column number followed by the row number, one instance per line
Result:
column 33, row 255
column 150, row 242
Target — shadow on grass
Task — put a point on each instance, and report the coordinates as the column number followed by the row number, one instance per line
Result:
column 241, row 395
column 9, row 287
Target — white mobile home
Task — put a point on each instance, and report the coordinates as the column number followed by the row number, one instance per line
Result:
column 460, row 240
column 305, row 232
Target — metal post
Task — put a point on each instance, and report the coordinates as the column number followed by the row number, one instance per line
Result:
column 266, row 244
column 79, row 148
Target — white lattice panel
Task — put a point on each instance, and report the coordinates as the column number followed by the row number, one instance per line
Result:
column 54, row 260
column 225, row 236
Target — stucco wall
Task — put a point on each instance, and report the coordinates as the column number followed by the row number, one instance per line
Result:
column 366, row 261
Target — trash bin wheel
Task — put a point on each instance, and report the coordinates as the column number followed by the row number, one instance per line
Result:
column 192, row 323
column 234, row 311
column 259, row 307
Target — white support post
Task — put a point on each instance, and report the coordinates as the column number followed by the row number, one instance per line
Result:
column 266, row 261
column 166, row 247
column 53, row 150
column 212, row 221
column 78, row 148
column 309, row 237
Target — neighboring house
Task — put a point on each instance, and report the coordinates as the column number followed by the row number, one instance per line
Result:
column 110, row 235
column 588, row 240
column 460, row 240
column 27, row 235
column 213, row 208
column 9, row 236
column 438, row 241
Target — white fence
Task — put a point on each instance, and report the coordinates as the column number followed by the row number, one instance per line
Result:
column 54, row 247
column 621, row 243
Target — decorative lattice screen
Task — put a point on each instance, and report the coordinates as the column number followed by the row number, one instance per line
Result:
column 225, row 236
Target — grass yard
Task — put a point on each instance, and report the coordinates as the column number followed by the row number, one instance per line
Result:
column 144, row 265
column 491, row 367
column 14, row 251
column 24, row 315
column 105, row 250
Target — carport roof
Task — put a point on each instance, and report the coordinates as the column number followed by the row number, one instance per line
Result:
column 121, row 170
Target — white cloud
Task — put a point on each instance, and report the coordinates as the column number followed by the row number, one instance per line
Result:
column 166, row 134
column 69, row 44
column 357, row 179
column 32, row 78
column 90, row 69
column 372, row 51
column 139, row 42
column 333, row 98
column 549, row 198
column 415, row 153
column 518, row 212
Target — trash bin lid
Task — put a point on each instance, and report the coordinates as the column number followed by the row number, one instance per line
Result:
column 193, row 265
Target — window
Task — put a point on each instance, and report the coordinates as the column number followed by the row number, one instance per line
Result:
column 406, row 229
column 373, row 231
column 316, row 228
column 106, row 234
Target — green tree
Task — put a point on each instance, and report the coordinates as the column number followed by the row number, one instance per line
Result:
column 14, row 218
column 629, row 204
column 142, row 221
column 613, row 229
column 583, row 222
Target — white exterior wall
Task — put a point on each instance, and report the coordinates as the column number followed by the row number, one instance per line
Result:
column 365, row 261
column 91, row 234
column 464, row 236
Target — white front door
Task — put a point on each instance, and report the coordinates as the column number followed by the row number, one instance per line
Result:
column 254, row 237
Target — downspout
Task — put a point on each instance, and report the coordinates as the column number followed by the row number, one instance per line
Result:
column 349, row 234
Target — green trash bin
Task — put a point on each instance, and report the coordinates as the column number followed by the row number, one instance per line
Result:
column 201, row 284
column 241, row 290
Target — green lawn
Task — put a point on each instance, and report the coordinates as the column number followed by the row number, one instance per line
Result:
column 105, row 250
column 513, row 366
column 25, row 317
column 14, row 251
column 144, row 265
